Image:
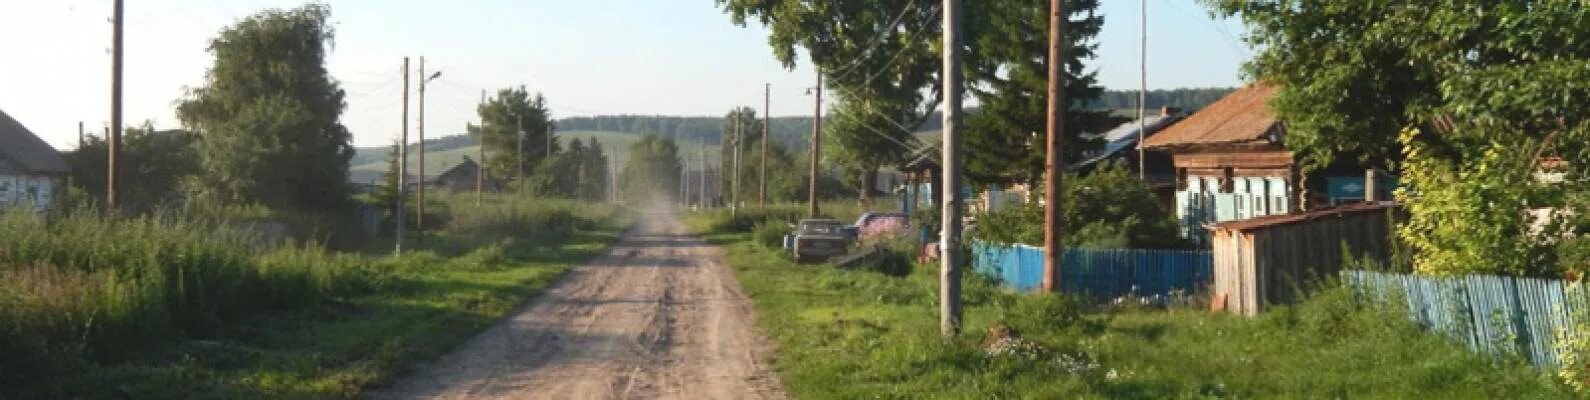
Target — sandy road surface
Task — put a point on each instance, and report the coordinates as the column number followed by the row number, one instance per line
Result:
column 658, row 317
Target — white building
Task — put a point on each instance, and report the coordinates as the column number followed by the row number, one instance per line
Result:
column 31, row 172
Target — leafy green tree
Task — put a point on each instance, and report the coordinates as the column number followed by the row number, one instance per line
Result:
column 1005, row 138
column 879, row 57
column 750, row 128
column 1476, row 96
column 595, row 176
column 158, row 163
column 860, row 142
column 1107, row 208
column 267, row 115
column 652, row 169
column 501, row 117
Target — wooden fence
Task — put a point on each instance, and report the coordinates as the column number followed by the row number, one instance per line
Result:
column 1491, row 314
column 1102, row 273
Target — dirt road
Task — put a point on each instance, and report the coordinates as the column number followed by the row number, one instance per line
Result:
column 659, row 316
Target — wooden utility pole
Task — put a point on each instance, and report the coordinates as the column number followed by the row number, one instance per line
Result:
column 113, row 142
column 518, row 153
column 1053, row 250
column 950, row 238
column 734, row 195
column 767, row 122
column 703, row 186
column 480, row 167
column 817, row 143
column 1142, row 95
column 81, row 140
column 403, row 163
column 419, row 218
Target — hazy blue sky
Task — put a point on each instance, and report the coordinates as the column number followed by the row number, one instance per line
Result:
column 670, row 57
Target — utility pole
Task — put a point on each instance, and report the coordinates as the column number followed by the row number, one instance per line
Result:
column 703, row 186
column 734, row 196
column 80, row 138
column 684, row 175
column 1142, row 95
column 518, row 153
column 950, row 239
column 112, row 175
column 419, row 218
column 1053, row 250
column 480, row 144
column 403, row 163
column 767, row 122
column 817, row 143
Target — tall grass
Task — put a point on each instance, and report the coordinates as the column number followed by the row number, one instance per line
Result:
column 78, row 286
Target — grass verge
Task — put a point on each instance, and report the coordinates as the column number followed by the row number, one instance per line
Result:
column 855, row 334
column 411, row 308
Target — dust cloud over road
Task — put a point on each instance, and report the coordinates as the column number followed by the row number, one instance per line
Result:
column 658, row 317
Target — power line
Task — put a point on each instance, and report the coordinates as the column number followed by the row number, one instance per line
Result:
column 873, row 45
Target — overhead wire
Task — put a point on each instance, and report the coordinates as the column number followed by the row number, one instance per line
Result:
column 873, row 45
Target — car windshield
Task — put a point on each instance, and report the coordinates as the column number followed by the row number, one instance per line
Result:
column 820, row 228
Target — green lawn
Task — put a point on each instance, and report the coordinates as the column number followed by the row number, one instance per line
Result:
column 856, row 334
column 428, row 302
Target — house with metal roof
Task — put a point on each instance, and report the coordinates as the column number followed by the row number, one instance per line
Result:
column 1229, row 161
column 1121, row 145
column 31, row 172
column 1231, row 164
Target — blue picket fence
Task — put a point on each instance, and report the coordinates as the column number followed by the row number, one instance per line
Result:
column 1491, row 314
column 1102, row 273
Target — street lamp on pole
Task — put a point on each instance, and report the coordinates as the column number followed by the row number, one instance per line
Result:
column 419, row 218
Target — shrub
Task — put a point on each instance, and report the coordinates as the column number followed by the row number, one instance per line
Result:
column 1108, row 208
column 79, row 285
column 770, row 234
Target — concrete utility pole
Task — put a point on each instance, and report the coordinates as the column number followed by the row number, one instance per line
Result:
column 80, row 138
column 480, row 167
column 817, row 143
column 767, row 122
column 113, row 142
column 419, row 219
column 403, row 163
column 1053, row 250
column 1142, row 96
column 950, row 238
column 734, row 196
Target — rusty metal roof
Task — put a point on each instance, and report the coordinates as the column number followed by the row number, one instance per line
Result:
column 20, row 145
column 1242, row 116
column 1286, row 219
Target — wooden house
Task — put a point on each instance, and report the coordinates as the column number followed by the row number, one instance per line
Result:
column 1229, row 162
column 31, row 172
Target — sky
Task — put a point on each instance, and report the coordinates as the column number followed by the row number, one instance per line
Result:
column 589, row 57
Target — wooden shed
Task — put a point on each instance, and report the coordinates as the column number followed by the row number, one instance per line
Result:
column 1269, row 260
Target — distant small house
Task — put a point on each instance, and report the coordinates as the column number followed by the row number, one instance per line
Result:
column 31, row 172
column 1121, row 143
column 461, row 177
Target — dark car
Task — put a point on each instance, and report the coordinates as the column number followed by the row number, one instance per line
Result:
column 820, row 239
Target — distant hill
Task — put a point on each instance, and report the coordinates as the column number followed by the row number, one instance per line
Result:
column 445, row 152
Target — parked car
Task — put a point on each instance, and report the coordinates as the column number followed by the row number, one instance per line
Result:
column 820, row 239
column 878, row 223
